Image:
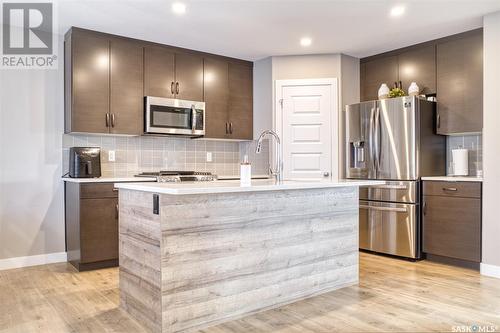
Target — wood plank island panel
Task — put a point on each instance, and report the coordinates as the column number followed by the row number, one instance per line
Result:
column 210, row 258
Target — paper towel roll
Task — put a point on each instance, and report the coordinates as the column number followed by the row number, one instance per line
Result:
column 460, row 162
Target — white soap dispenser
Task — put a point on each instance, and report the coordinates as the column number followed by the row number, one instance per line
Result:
column 245, row 172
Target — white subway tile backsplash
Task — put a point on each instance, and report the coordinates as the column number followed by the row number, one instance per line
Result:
column 140, row 154
column 474, row 143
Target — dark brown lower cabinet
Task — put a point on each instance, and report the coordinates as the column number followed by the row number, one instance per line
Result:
column 91, row 225
column 452, row 221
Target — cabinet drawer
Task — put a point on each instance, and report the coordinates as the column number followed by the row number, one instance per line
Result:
column 90, row 191
column 453, row 189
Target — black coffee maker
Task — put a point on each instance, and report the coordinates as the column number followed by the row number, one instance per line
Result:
column 84, row 162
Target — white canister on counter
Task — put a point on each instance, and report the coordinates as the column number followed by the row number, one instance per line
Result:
column 460, row 162
column 245, row 172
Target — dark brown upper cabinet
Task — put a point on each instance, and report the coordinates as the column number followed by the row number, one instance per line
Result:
column 103, row 84
column 159, row 72
column 450, row 67
column 189, row 76
column 401, row 68
column 229, row 99
column 173, row 74
column 240, row 101
column 126, row 105
column 460, row 85
column 86, row 83
column 108, row 76
column 216, row 73
column 376, row 72
column 418, row 65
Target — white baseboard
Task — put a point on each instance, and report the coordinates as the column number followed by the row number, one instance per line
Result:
column 490, row 270
column 40, row 259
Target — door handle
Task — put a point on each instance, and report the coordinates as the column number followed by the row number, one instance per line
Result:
column 193, row 118
column 117, row 211
column 112, row 120
column 88, row 167
column 389, row 187
column 326, row 174
column 372, row 137
column 450, row 189
column 107, row 119
column 172, row 84
column 385, row 209
column 230, row 128
column 378, row 138
column 425, row 208
column 227, row 128
column 177, row 88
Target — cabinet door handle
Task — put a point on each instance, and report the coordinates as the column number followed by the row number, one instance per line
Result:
column 438, row 121
column 385, row 209
column 117, row 211
column 227, row 128
column 451, row 189
column 230, row 128
column 400, row 85
column 177, row 88
column 112, row 120
column 425, row 208
column 107, row 119
column 172, row 84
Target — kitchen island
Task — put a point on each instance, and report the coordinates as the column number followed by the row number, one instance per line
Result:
column 194, row 255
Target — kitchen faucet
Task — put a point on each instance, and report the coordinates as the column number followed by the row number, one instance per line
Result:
column 277, row 171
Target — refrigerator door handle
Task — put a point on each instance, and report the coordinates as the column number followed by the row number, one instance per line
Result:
column 377, row 138
column 386, row 209
column 371, row 135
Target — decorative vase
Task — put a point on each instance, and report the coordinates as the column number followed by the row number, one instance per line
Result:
column 383, row 91
column 413, row 89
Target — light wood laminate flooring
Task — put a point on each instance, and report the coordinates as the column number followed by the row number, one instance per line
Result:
column 393, row 296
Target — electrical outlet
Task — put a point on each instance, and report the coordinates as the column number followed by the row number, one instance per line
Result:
column 209, row 156
column 111, row 156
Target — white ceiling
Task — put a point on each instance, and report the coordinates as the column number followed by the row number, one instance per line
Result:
column 254, row 29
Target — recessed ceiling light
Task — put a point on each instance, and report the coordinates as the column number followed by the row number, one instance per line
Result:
column 397, row 11
column 305, row 41
column 178, row 8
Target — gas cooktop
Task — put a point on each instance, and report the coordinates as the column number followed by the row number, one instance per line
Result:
column 179, row 176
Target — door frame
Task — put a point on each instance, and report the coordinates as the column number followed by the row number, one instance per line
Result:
column 334, row 126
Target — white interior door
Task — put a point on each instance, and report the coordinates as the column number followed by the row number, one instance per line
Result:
column 306, row 117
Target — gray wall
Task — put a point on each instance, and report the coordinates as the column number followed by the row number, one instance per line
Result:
column 491, row 139
column 350, row 94
column 262, row 96
column 31, row 191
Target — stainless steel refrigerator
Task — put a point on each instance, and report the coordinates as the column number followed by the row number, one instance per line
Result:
column 393, row 140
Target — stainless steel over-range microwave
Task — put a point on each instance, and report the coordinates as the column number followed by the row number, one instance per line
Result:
column 174, row 116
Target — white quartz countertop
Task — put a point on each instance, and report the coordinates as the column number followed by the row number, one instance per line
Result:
column 109, row 179
column 454, row 178
column 232, row 186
